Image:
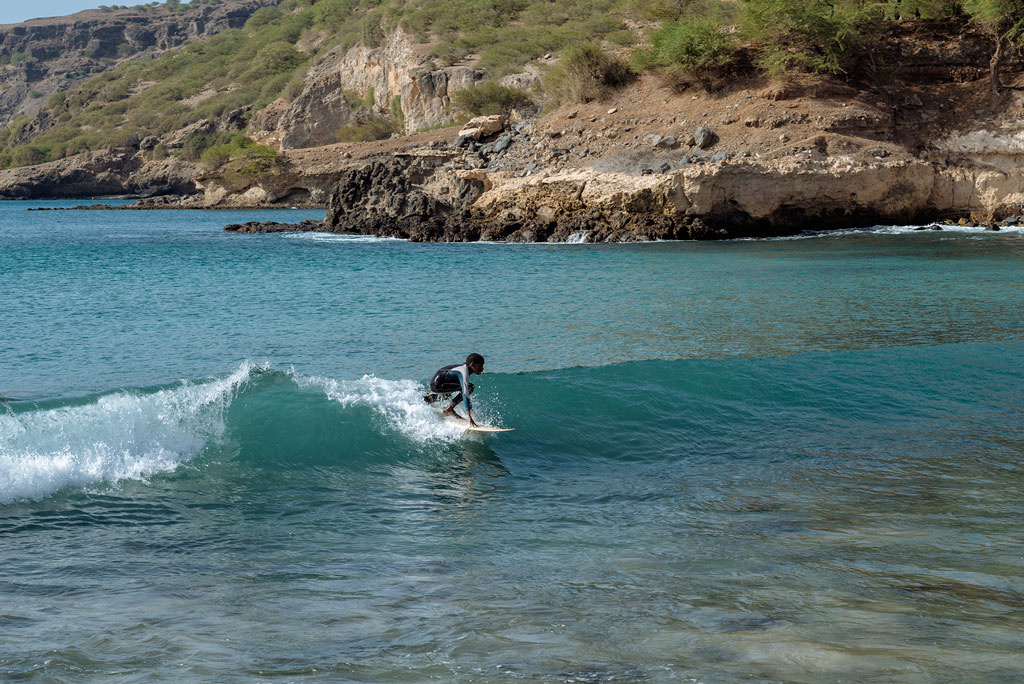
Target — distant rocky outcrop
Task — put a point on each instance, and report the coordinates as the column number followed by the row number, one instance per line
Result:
column 394, row 79
column 98, row 174
column 45, row 56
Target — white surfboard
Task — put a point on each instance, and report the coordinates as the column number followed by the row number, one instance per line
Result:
column 462, row 423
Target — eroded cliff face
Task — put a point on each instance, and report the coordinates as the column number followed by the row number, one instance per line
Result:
column 437, row 195
column 59, row 53
column 393, row 78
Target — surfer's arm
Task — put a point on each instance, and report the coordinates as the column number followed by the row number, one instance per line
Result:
column 465, row 398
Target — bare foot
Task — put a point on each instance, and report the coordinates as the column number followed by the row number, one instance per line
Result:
column 451, row 413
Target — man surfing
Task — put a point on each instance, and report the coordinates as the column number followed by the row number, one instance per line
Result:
column 455, row 379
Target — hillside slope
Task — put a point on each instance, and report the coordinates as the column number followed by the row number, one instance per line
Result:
column 41, row 57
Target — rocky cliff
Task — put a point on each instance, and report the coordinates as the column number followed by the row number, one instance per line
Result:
column 651, row 162
column 45, row 56
column 395, row 80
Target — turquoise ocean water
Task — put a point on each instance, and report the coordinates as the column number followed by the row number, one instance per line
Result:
column 793, row 460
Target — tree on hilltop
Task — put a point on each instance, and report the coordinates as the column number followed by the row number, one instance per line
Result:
column 1004, row 21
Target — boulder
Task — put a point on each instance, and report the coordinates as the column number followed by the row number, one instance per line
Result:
column 483, row 126
column 704, row 137
column 502, row 143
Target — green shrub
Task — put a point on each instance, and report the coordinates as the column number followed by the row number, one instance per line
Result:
column 255, row 162
column 586, row 73
column 925, row 9
column 263, row 16
column 397, row 115
column 242, row 157
column 818, row 36
column 26, row 155
column 357, row 101
column 275, row 58
column 377, row 128
column 296, row 84
column 695, row 48
column 490, row 97
column 196, row 144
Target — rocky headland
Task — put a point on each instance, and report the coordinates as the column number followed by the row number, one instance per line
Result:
column 651, row 161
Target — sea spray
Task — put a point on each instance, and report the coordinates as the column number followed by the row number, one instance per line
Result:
column 399, row 402
column 123, row 435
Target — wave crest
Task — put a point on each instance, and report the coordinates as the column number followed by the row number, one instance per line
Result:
column 399, row 402
column 118, row 436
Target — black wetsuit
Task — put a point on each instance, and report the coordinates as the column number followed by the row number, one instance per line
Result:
column 448, row 381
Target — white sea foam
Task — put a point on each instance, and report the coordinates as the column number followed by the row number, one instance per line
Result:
column 891, row 230
column 399, row 402
column 124, row 435
column 339, row 237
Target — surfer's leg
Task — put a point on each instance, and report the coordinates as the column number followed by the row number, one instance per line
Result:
column 450, row 411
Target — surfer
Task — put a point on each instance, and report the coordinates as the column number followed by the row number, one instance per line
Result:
column 455, row 379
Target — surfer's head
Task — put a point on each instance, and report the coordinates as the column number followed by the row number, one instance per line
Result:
column 475, row 362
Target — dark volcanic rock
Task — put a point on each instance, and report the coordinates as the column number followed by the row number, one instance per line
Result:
column 273, row 227
column 421, row 200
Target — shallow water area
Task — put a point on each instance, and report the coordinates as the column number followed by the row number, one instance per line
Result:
column 756, row 461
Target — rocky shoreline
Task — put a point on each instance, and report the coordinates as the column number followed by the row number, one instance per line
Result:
column 756, row 159
column 477, row 188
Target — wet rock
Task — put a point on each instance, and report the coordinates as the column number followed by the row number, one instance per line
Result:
column 274, row 227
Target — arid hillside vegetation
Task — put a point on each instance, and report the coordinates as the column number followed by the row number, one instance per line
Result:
column 603, row 44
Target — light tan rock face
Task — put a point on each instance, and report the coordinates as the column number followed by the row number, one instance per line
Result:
column 291, row 187
column 775, row 194
column 782, row 191
column 581, row 190
column 992, row 185
column 398, row 78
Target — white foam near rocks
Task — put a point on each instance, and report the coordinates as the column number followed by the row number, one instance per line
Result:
column 348, row 238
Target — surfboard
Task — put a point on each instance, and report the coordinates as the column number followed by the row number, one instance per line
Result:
column 459, row 422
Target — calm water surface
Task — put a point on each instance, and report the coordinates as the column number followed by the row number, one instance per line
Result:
column 790, row 460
